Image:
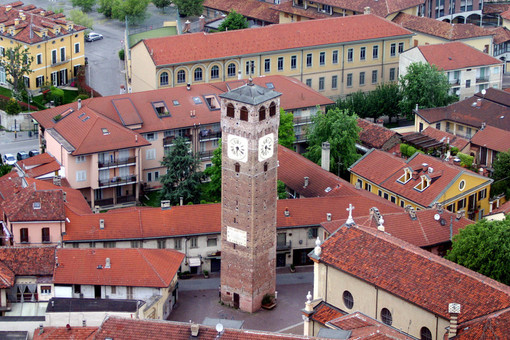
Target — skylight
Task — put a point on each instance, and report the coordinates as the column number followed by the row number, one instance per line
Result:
column 176, row 102
column 197, row 100
column 270, row 85
column 105, row 131
column 36, row 205
column 161, row 109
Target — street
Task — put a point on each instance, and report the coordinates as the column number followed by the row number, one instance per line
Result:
column 10, row 144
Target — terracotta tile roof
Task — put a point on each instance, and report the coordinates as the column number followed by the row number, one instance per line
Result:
column 248, row 8
column 494, row 8
column 501, row 34
column 64, row 333
column 181, row 49
column 324, row 312
column 147, row 267
column 492, row 138
column 123, row 328
column 444, row 136
column 43, row 158
column 34, row 22
column 310, row 13
column 438, row 28
column 424, row 279
column 423, row 232
column 374, row 135
column 456, row 55
column 29, row 261
column 492, row 326
column 504, row 208
column 6, row 276
column 494, row 110
column 505, row 15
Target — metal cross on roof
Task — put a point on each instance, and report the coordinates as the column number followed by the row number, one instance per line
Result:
column 350, row 220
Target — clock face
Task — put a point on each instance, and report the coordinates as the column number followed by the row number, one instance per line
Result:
column 266, row 147
column 237, row 148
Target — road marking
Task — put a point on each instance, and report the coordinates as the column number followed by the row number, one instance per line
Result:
column 287, row 328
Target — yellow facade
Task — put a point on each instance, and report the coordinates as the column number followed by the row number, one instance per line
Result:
column 483, row 44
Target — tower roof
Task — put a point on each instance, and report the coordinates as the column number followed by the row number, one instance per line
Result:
column 251, row 94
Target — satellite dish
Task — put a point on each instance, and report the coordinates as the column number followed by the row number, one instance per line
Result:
column 219, row 328
column 437, row 217
column 484, row 91
column 443, row 222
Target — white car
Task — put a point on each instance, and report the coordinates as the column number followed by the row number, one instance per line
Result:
column 9, row 159
column 93, row 36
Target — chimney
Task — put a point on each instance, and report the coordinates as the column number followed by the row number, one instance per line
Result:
column 165, row 204
column 57, row 180
column 460, row 214
column 107, row 263
column 96, row 209
column 79, row 104
column 136, row 138
column 410, row 210
column 479, row 102
column 439, row 207
column 84, row 323
column 16, row 21
column 187, row 27
column 425, row 167
column 325, row 157
column 22, row 16
column 195, row 328
column 42, row 13
column 415, row 175
column 181, row 201
column 101, row 224
column 416, row 108
column 188, row 86
column 328, row 217
column 286, row 212
column 41, row 329
column 483, row 125
column 366, row 10
column 307, row 179
column 380, row 224
column 317, row 250
column 431, row 170
column 8, row 8
column 454, row 310
column 201, row 23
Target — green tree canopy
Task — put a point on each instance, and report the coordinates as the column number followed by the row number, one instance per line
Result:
column 81, row 18
column 233, row 21
column 105, row 7
column 286, row 135
column 134, row 10
column 16, row 61
column 341, row 130
column 85, row 5
column 161, row 4
column 182, row 178
column 213, row 188
column 425, row 85
column 5, row 169
column 189, row 8
column 485, row 248
column 501, row 175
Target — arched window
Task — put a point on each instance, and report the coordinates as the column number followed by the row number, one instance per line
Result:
column 386, row 316
column 272, row 109
column 231, row 70
column 215, row 72
column 181, row 77
column 163, row 78
column 237, row 167
column 230, row 111
column 425, row 334
column 348, row 299
column 198, row 74
column 244, row 114
column 262, row 113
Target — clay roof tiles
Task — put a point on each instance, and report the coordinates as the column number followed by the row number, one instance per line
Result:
column 324, row 312
column 29, row 261
column 501, row 34
column 439, row 135
column 248, row 8
column 6, row 276
column 374, row 135
column 64, row 333
column 492, row 138
column 492, row 326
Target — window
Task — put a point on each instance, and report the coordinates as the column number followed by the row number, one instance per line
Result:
column 150, row 154
column 393, row 199
column 386, row 317
column 198, row 74
column 54, row 56
column 309, row 60
column 129, row 292
column 262, row 113
column 149, row 177
column 45, row 289
column 349, row 80
column 309, row 82
column 135, row 244
column 482, row 194
column 386, row 196
column 2, row 51
column 215, row 72
column 77, row 48
column 250, row 67
column 368, row 187
column 27, row 81
column 374, row 76
column 151, row 136
column 23, row 235
column 109, row 244
column 62, row 54
column 161, row 244
column 45, row 234
column 212, row 242
column 375, row 52
column 237, row 167
column 393, row 50
column 392, row 74
column 400, row 47
column 181, row 77
column 230, row 110
column 462, row 185
column 468, row 83
column 348, row 299
column 113, row 290
column 461, row 204
column 231, row 70
column 425, row 334
column 193, row 242
column 293, row 62
column 267, row 65
column 280, row 63
column 362, row 78
column 77, row 289
column 322, row 58
column 177, row 243
column 362, row 53
column 321, row 84
column 402, row 203
column 379, row 192
column 350, row 54
column 163, row 79
column 81, row 175
column 156, row 175
column 244, row 114
column 39, row 81
column 334, row 82
column 272, row 109
column 39, row 59
column 334, row 57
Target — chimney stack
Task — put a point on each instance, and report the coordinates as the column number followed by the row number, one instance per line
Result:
column 188, row 86
column 79, row 104
column 201, row 23
column 165, row 204
column 425, row 167
column 187, row 27
column 307, row 180
column 286, row 212
column 479, row 102
column 195, row 328
column 454, row 310
column 366, row 10
column 325, row 157
column 328, row 217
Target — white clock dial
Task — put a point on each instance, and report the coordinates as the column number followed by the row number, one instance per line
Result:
column 266, row 147
column 237, row 148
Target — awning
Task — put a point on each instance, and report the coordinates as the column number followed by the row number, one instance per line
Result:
column 194, row 262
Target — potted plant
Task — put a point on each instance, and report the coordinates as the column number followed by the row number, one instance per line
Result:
column 268, row 301
column 292, row 268
column 206, row 274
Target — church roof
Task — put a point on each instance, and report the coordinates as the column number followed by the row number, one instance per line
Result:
column 251, row 94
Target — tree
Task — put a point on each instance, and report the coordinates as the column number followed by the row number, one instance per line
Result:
column 189, row 8
column 286, row 135
column 182, row 178
column 233, row 21
column 385, row 100
column 12, row 108
column 134, row 10
column 501, row 175
column 280, row 189
column 85, row 5
column 105, row 7
column 161, row 4
column 341, row 130
column 81, row 18
column 213, row 188
column 5, row 169
column 425, row 85
column 485, row 248
column 16, row 63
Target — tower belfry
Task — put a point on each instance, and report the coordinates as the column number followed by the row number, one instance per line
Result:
column 250, row 116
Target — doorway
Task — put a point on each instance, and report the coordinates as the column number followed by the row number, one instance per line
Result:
column 236, row 300
column 97, row 292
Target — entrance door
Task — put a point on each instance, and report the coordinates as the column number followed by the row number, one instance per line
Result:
column 97, row 292
column 236, row 300
column 62, row 77
column 215, row 265
column 280, row 260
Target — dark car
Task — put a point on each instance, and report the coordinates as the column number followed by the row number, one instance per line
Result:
column 32, row 153
column 22, row 155
column 92, row 36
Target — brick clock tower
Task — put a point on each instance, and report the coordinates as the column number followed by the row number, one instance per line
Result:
column 250, row 116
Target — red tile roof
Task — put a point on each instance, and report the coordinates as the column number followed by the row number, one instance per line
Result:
column 29, row 261
column 424, row 279
column 492, row 326
column 64, row 333
column 248, row 8
column 310, row 13
column 39, row 165
column 444, row 136
column 440, row 29
column 147, row 267
column 374, row 135
column 504, row 208
column 505, row 15
column 501, row 34
column 6, row 276
column 189, row 48
column 123, row 328
column 492, row 138
column 364, row 327
column 324, row 312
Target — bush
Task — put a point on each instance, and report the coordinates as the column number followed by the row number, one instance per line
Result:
column 403, row 149
column 267, row 299
column 12, row 107
column 465, row 160
column 57, row 95
column 411, row 150
column 454, row 151
column 82, row 97
column 121, row 54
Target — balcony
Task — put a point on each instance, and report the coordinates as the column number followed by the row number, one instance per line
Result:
column 60, row 62
column 169, row 140
column 104, row 202
column 302, row 120
column 126, row 199
column 454, row 82
column 115, row 163
column 281, row 246
column 116, row 181
column 205, row 155
column 484, row 79
column 208, row 135
column 301, row 138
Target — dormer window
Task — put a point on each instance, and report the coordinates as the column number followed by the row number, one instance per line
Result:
column 406, row 176
column 161, row 109
column 212, row 102
column 424, row 183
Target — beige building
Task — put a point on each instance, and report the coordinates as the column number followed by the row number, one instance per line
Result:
column 335, row 57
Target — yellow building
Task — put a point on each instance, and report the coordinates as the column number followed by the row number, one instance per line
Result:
column 336, row 57
column 421, row 181
column 55, row 44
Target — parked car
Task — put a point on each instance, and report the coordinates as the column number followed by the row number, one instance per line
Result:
column 92, row 36
column 22, row 155
column 9, row 159
column 32, row 153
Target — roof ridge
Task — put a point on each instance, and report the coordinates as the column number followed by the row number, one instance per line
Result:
column 141, row 251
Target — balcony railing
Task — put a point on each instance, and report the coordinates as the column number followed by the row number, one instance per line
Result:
column 116, row 181
column 114, row 163
column 169, row 140
column 60, row 62
column 126, row 199
column 284, row 245
column 302, row 120
column 209, row 136
column 482, row 80
column 104, row 202
column 206, row 154
column 454, row 82
column 301, row 138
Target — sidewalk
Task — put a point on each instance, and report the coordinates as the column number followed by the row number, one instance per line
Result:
column 7, row 137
